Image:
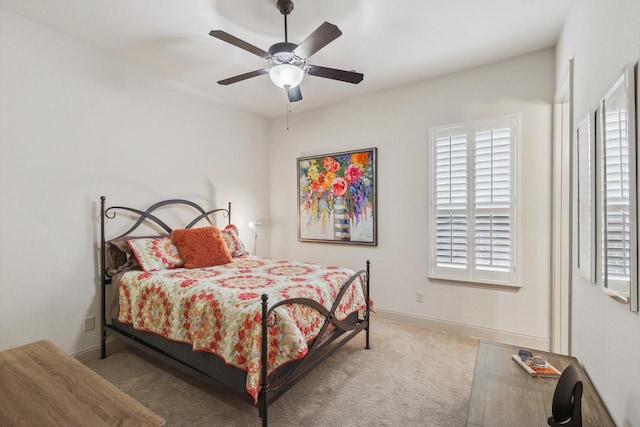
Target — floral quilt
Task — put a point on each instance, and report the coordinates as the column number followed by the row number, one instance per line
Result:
column 218, row 309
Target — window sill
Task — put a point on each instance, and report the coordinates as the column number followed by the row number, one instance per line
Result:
column 507, row 287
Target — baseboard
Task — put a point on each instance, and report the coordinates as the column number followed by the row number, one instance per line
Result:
column 465, row 329
column 113, row 346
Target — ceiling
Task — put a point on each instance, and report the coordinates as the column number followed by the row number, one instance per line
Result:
column 392, row 42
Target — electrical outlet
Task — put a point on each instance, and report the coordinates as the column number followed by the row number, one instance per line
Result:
column 89, row 323
column 419, row 296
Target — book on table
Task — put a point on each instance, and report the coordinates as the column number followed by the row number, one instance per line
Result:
column 548, row 370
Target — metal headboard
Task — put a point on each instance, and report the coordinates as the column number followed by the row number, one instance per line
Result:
column 147, row 215
column 144, row 217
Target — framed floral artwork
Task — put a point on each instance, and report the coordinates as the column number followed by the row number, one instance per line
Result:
column 337, row 198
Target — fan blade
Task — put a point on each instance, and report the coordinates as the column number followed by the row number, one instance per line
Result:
column 239, row 43
column 294, row 94
column 244, row 76
column 332, row 73
column 322, row 36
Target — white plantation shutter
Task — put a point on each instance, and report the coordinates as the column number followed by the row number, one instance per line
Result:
column 451, row 196
column 493, row 247
column 452, row 240
column 616, row 229
column 618, row 246
column 473, row 213
column 493, row 196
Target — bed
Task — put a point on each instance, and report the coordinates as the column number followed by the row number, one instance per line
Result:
column 194, row 298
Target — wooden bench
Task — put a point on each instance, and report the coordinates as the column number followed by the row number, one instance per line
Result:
column 42, row 385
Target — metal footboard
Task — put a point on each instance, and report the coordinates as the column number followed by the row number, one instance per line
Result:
column 330, row 338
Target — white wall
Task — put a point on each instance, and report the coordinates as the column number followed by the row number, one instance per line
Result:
column 75, row 124
column 397, row 122
column 605, row 336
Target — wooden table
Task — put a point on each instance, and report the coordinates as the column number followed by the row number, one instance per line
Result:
column 42, row 385
column 503, row 394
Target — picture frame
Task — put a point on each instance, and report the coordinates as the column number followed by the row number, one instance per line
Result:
column 585, row 194
column 619, row 190
column 337, row 197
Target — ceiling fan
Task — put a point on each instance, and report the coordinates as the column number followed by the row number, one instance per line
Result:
column 288, row 60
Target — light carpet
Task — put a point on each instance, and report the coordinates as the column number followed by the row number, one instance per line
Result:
column 411, row 376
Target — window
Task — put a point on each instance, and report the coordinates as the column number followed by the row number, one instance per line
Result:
column 473, row 211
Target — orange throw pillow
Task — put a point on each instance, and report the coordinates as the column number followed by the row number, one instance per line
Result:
column 201, row 247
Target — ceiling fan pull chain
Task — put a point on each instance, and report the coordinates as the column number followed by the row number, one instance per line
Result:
column 288, row 111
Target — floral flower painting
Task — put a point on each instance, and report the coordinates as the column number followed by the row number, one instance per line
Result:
column 337, row 197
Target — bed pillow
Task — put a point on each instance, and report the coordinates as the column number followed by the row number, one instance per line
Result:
column 155, row 253
column 201, row 247
column 119, row 256
column 232, row 238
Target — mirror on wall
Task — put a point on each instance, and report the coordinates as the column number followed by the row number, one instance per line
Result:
column 585, row 193
column 619, row 190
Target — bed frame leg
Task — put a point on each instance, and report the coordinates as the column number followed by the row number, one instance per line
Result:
column 103, row 350
column 103, row 284
column 366, row 331
column 368, row 316
column 264, row 387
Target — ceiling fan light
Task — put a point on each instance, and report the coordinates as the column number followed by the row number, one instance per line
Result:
column 286, row 75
